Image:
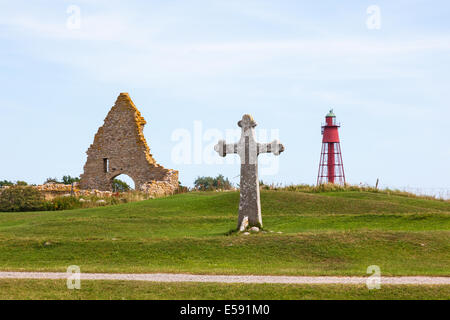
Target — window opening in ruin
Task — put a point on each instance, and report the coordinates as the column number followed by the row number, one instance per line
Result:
column 105, row 165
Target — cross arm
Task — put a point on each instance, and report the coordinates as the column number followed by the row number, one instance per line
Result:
column 274, row 147
column 222, row 148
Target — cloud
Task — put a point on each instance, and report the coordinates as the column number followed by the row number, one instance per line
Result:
column 113, row 26
column 141, row 49
column 94, row 27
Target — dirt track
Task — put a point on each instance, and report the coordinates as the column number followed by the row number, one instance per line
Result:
column 167, row 277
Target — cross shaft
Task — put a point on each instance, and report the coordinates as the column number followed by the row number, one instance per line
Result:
column 248, row 150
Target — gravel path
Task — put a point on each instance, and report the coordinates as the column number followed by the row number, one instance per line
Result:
column 167, row 277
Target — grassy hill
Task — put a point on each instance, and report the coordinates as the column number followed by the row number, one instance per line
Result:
column 335, row 233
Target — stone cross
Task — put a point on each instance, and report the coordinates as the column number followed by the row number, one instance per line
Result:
column 248, row 150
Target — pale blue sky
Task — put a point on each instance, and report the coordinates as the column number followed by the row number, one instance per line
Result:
column 285, row 62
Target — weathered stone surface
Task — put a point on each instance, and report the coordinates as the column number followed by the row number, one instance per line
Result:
column 52, row 190
column 244, row 224
column 163, row 187
column 119, row 147
column 248, row 150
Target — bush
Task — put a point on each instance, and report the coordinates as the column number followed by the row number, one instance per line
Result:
column 65, row 180
column 69, row 180
column 52, row 180
column 210, row 183
column 181, row 188
column 5, row 183
column 27, row 198
column 22, row 198
column 64, row 203
column 120, row 186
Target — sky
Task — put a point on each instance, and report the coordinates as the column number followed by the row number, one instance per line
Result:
column 193, row 68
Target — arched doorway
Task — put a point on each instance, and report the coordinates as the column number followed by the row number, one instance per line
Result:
column 123, row 183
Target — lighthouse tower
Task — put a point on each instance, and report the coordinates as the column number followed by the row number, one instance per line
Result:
column 331, row 168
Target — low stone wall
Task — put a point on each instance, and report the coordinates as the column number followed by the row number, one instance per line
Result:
column 154, row 189
column 53, row 190
column 167, row 186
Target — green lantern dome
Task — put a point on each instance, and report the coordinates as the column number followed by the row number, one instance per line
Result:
column 331, row 114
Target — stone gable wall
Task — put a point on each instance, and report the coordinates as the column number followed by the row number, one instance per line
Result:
column 120, row 145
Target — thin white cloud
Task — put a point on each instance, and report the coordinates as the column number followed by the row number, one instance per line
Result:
column 115, row 27
column 124, row 48
column 99, row 27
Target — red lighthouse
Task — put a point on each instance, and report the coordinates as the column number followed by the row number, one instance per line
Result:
column 331, row 168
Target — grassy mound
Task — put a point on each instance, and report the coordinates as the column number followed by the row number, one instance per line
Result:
column 329, row 233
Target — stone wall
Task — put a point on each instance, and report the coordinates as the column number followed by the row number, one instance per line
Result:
column 153, row 189
column 119, row 147
column 164, row 187
column 53, row 190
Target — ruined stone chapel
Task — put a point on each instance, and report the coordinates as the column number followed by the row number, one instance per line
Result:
column 119, row 147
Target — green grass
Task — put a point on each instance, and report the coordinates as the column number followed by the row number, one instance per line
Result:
column 117, row 290
column 333, row 233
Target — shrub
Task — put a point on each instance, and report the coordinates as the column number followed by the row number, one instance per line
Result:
column 64, row 203
column 210, row 183
column 65, row 180
column 181, row 188
column 5, row 183
column 69, row 180
column 27, row 198
column 120, row 186
column 52, row 180
column 22, row 198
